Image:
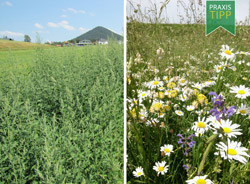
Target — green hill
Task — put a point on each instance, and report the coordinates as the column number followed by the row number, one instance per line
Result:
column 98, row 33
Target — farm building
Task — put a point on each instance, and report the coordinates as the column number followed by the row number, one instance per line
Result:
column 84, row 43
column 102, row 41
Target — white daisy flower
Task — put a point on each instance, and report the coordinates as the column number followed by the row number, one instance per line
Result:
column 201, row 126
column 142, row 95
column 182, row 81
column 165, row 79
column 155, row 83
column 199, row 180
column 167, row 149
column 161, row 88
column 197, row 86
column 213, row 122
column 242, row 92
column 179, row 113
column 160, row 167
column 230, row 129
column 210, row 83
column 232, row 151
column 152, row 122
column 243, row 110
column 183, row 97
column 190, row 107
column 138, row 172
column 218, row 68
column 143, row 114
column 226, row 53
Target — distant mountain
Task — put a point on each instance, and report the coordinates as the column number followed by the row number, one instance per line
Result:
column 98, row 33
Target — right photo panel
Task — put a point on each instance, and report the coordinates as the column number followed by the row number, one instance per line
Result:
column 188, row 91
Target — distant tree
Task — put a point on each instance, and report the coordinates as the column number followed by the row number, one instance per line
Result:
column 27, row 38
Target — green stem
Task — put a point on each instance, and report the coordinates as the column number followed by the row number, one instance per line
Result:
column 211, row 142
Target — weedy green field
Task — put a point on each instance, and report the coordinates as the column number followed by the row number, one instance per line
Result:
column 61, row 115
column 188, row 107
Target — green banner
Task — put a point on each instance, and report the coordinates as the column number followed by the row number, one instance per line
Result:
column 220, row 14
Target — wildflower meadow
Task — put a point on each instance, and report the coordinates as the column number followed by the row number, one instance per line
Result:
column 188, row 104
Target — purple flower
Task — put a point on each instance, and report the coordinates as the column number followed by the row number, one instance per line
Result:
column 219, row 110
column 185, row 167
column 188, row 142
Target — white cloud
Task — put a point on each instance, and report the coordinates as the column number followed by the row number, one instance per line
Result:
column 64, row 24
column 51, row 24
column 83, row 30
column 73, row 10
column 8, row 3
column 82, row 11
column 91, row 14
column 39, row 26
column 11, row 34
column 64, row 16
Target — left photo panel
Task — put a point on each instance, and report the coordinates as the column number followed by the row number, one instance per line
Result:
column 61, row 91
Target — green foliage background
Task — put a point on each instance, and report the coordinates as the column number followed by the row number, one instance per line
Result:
column 61, row 118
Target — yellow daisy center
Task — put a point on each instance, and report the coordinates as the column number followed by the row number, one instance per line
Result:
column 143, row 94
column 167, row 150
column 135, row 101
column 155, row 83
column 227, row 130
column 243, row 111
column 219, row 68
column 241, row 92
column 179, row 112
column 139, row 173
column 201, row 181
column 160, row 168
column 182, row 81
column 228, row 52
column 231, row 151
column 201, row 125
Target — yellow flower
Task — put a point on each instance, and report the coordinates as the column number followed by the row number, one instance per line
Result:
column 173, row 93
column 157, row 106
column 201, row 98
column 196, row 92
column 195, row 104
column 167, row 107
column 171, row 85
column 133, row 113
column 161, row 95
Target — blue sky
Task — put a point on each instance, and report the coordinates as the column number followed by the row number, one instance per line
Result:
column 58, row 20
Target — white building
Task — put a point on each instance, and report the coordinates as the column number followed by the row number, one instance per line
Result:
column 84, row 43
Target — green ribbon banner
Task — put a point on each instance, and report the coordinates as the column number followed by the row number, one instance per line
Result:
column 220, row 14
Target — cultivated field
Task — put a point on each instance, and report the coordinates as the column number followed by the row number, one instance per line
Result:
column 61, row 115
column 188, row 104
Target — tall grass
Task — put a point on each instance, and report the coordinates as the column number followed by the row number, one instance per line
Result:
column 61, row 121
